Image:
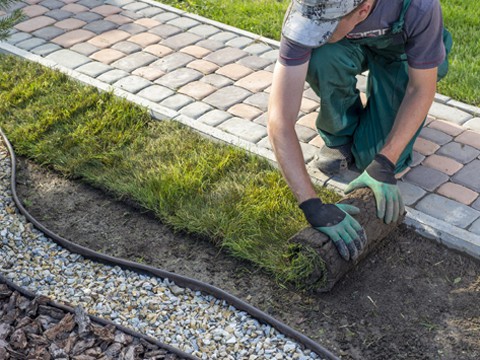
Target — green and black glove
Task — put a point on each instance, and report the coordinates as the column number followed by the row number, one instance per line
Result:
column 334, row 220
column 380, row 177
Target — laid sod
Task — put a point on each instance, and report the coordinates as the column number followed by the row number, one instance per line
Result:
column 265, row 17
column 193, row 184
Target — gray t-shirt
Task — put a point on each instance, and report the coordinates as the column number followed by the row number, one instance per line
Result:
column 423, row 28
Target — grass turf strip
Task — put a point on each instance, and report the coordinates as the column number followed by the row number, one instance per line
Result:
column 265, row 17
column 192, row 184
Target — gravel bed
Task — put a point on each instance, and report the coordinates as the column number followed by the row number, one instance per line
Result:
column 194, row 322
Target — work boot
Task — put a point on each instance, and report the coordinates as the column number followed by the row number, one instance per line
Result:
column 333, row 160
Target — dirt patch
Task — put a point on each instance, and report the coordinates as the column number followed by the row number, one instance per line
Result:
column 413, row 299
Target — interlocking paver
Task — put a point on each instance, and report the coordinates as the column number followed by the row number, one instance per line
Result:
column 401, row 174
column 205, row 67
column 46, row 49
column 180, row 40
column 260, row 100
column 84, row 49
column 91, row 3
column 460, row 152
column 309, row 120
column 214, row 117
column 150, row 11
column 134, row 61
column 132, row 84
column 94, row 69
column 234, row 71
column 473, row 124
column 165, row 16
column 18, row 37
column 425, row 177
column 100, row 26
column 197, row 90
column 265, row 143
column 70, row 24
column 425, row 147
column 450, row 211
column 223, row 36
column 173, row 61
column 148, row 72
column 475, row 228
column 244, row 129
column 183, row 22
column 195, row 110
column 476, row 204
column 59, row 14
column 410, row 193
column 135, row 6
column 304, row 133
column 216, row 80
column 34, row 10
column 156, row 93
column 30, row 44
column 147, row 23
column 165, row 31
column 107, row 56
column 469, row 176
column 474, row 110
column 270, row 55
column 204, row 30
column 308, row 105
column 448, row 113
column 244, row 111
column 469, row 137
column 317, row 141
column 158, row 50
column 119, row 19
column 68, row 58
column 226, row 97
column 52, row 4
column 145, row 39
column 254, row 62
column 73, row 37
column 106, row 10
column 256, row 81
column 226, row 56
column 88, row 16
column 112, row 76
column 74, row 8
column 239, row 42
column 308, row 151
column 109, row 38
column 36, row 23
column 257, row 48
column 436, row 136
column 131, row 14
column 133, row 28
column 127, row 47
column 444, row 164
column 120, row 3
column 195, row 51
column 458, row 193
column 447, row 127
column 211, row 45
column 177, row 101
column 442, row 98
column 262, row 119
column 178, row 78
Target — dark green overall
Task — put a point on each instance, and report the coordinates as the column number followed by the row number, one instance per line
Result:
column 342, row 118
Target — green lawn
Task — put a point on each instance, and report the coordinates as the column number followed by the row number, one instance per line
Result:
column 264, row 17
column 219, row 192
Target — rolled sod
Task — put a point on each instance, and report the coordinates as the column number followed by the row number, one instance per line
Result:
column 333, row 267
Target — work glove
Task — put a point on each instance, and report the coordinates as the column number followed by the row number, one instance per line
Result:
column 334, row 220
column 380, row 177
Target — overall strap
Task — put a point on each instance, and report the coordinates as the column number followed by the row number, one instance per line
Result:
column 397, row 27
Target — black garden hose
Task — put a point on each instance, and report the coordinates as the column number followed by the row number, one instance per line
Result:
column 149, row 270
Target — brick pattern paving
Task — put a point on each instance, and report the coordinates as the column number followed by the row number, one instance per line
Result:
column 222, row 78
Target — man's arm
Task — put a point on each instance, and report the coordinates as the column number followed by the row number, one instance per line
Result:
column 380, row 174
column 418, row 98
column 284, row 105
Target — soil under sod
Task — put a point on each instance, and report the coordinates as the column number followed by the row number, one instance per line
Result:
column 413, row 299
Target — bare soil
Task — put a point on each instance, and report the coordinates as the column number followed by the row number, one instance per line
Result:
column 412, row 299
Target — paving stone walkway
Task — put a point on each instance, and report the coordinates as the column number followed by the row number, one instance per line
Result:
column 216, row 79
